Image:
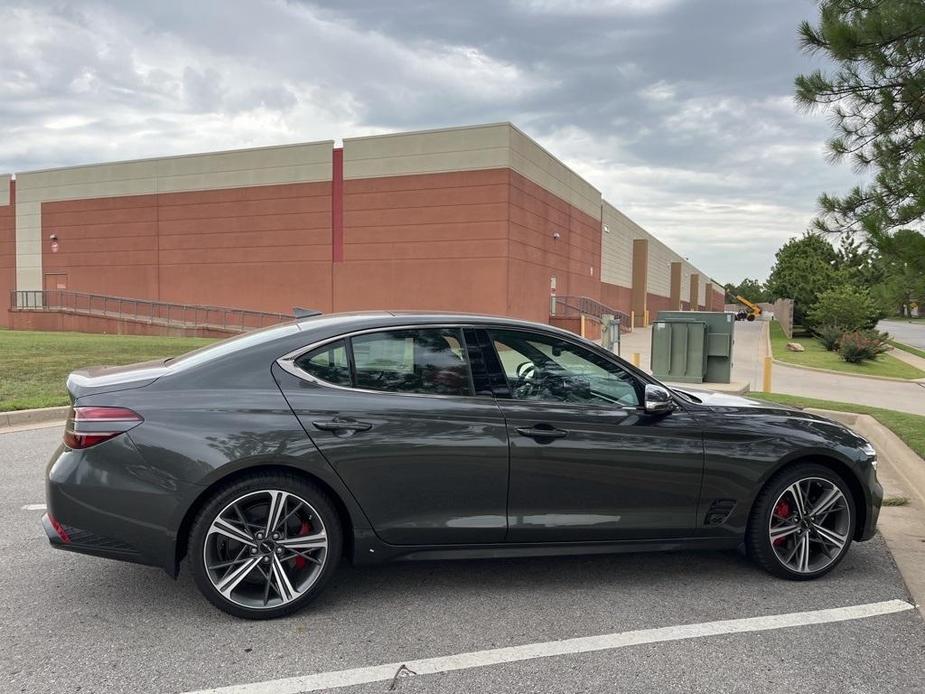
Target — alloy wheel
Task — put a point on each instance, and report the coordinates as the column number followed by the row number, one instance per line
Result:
column 809, row 525
column 265, row 549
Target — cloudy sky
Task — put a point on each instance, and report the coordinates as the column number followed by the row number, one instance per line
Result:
column 680, row 111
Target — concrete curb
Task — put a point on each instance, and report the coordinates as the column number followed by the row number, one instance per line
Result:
column 23, row 418
column 901, row 470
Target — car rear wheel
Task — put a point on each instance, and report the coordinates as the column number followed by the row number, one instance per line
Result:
column 802, row 523
column 265, row 546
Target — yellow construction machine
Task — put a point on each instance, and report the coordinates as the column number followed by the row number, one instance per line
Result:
column 754, row 310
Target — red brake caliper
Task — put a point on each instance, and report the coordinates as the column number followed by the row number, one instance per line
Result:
column 304, row 530
column 782, row 511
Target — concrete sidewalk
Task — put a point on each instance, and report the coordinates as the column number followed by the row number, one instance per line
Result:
column 892, row 395
column 908, row 357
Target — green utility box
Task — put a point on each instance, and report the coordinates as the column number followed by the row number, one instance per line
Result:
column 692, row 346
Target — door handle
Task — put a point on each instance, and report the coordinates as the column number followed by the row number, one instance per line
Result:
column 540, row 432
column 338, row 424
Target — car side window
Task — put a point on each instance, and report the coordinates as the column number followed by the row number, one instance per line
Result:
column 543, row 367
column 328, row 363
column 430, row 361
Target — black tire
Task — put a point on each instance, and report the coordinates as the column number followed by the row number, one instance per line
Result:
column 286, row 482
column 758, row 542
column 750, row 317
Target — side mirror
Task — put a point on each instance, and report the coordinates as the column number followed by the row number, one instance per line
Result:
column 658, row 400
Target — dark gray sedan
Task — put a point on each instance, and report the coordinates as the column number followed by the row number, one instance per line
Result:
column 268, row 457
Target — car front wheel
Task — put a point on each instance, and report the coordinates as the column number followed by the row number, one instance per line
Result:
column 802, row 523
column 265, row 545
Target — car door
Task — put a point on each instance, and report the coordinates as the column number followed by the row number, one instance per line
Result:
column 395, row 413
column 587, row 463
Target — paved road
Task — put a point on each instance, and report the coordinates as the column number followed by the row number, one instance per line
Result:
column 912, row 334
column 70, row 623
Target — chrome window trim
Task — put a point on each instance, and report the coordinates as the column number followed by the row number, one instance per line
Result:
column 287, row 361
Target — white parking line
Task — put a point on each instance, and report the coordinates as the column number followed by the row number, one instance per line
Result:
column 546, row 649
column 34, row 507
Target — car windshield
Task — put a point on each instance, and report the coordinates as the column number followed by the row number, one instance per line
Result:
column 231, row 345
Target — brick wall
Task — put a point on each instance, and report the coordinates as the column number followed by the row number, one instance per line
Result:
column 7, row 245
column 261, row 247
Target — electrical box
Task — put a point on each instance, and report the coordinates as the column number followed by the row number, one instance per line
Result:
column 692, row 346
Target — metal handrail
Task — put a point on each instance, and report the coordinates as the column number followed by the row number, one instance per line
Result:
column 153, row 312
column 571, row 306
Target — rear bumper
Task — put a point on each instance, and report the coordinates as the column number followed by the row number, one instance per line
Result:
column 72, row 539
column 104, row 501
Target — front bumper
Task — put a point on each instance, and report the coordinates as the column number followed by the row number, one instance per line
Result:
column 874, row 499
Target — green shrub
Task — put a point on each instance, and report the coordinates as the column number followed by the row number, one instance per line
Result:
column 829, row 336
column 860, row 345
column 847, row 307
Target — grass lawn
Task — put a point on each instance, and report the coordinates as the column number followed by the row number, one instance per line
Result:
column 816, row 356
column 34, row 365
column 908, row 348
column 909, row 427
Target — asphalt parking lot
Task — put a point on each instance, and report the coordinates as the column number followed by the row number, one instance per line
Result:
column 78, row 624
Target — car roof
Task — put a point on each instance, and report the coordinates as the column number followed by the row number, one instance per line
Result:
column 373, row 319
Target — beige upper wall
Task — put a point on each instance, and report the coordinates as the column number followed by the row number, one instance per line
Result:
column 617, row 256
column 495, row 146
column 617, row 246
column 301, row 163
column 659, row 272
column 5, row 189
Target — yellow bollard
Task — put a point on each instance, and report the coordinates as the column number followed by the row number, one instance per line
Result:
column 635, row 359
column 766, row 381
column 645, row 323
column 583, row 334
column 632, row 320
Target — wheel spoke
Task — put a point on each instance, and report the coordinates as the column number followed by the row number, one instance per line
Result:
column 223, row 527
column 277, row 509
column 241, row 518
column 797, row 493
column 234, row 577
column 830, row 536
column 289, row 515
column 826, row 502
column 783, row 531
column 225, row 564
column 304, row 555
column 793, row 550
column 267, row 584
column 803, row 554
column 283, row 585
column 306, row 542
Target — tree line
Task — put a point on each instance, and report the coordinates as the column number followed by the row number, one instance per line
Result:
column 864, row 257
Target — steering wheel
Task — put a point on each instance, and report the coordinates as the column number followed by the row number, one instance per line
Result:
column 526, row 370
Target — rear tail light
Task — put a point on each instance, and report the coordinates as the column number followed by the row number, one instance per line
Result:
column 88, row 426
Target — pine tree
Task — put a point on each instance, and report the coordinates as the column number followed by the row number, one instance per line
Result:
column 876, row 97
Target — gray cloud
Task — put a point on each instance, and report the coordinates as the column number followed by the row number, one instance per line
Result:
column 680, row 111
